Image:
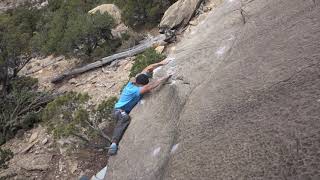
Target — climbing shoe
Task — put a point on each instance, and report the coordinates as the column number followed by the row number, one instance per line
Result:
column 113, row 149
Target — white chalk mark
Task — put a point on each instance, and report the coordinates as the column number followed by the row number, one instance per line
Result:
column 156, row 151
column 142, row 102
column 231, row 38
column 174, row 148
column 171, row 71
column 170, row 59
column 173, row 82
column 221, row 51
column 156, row 70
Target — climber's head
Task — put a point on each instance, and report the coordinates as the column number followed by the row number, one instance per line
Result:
column 142, row 79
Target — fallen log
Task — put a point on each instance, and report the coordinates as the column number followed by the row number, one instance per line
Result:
column 158, row 40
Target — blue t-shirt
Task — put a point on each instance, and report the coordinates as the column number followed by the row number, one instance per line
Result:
column 129, row 97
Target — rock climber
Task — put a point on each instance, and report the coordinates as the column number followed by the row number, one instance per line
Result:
column 130, row 96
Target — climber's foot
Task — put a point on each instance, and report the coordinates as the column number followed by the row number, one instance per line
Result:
column 113, row 149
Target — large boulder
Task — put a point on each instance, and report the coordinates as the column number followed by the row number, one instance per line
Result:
column 179, row 14
column 115, row 13
column 243, row 104
column 111, row 9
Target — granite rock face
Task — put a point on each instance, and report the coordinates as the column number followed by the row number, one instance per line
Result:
column 243, row 102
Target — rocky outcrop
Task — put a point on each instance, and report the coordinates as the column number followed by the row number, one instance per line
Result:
column 179, row 14
column 119, row 30
column 111, row 9
column 115, row 13
column 11, row 4
column 37, row 155
column 243, row 102
column 32, row 156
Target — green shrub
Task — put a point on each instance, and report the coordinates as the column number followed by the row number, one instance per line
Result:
column 63, row 27
column 17, row 27
column 67, row 28
column 21, row 107
column 18, row 113
column 104, row 109
column 148, row 57
column 69, row 115
column 66, row 115
column 5, row 155
column 16, row 30
column 143, row 12
column 24, row 82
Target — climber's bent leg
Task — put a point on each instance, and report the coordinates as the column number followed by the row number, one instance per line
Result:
column 122, row 122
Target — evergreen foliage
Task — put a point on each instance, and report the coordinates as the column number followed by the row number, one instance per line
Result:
column 143, row 12
column 20, row 108
column 69, row 115
column 62, row 28
column 16, row 28
column 66, row 28
column 66, row 114
column 150, row 56
column 5, row 155
column 104, row 109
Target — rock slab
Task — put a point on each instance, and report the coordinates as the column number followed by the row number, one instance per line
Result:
column 251, row 107
column 179, row 14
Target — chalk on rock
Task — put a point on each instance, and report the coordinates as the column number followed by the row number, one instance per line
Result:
column 174, row 148
column 171, row 71
column 170, row 59
column 173, row 82
column 221, row 51
column 156, row 151
column 155, row 71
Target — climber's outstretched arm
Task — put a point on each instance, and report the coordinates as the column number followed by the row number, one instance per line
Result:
column 150, row 68
column 147, row 88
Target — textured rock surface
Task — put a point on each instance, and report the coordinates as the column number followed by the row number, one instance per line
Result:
column 243, row 104
column 35, row 162
column 179, row 14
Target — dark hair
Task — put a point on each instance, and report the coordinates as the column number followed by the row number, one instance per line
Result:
column 142, row 79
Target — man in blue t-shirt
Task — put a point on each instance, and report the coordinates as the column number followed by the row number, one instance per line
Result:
column 130, row 96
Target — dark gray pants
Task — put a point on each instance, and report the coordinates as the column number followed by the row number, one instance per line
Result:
column 122, row 122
